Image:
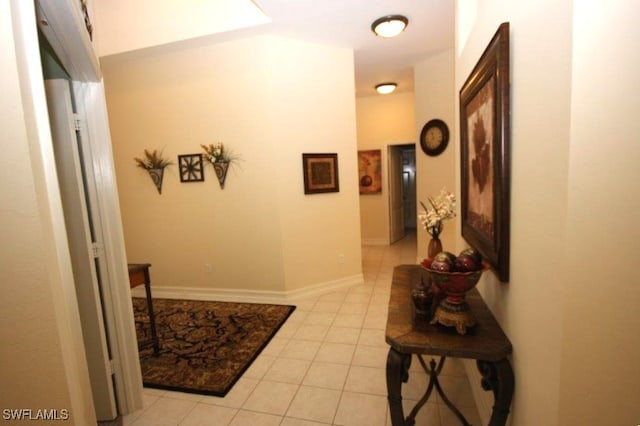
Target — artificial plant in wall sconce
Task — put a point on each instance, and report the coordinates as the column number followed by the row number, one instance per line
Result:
column 154, row 164
column 220, row 159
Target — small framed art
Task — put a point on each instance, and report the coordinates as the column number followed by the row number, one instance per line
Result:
column 370, row 171
column 191, row 168
column 320, row 173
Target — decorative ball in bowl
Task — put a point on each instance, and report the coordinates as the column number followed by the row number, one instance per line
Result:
column 455, row 275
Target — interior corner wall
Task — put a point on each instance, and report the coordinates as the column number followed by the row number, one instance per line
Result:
column 529, row 308
column 312, row 110
column 268, row 100
column 382, row 121
column 434, row 89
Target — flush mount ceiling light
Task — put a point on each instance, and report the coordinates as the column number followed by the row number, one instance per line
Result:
column 389, row 26
column 386, row 88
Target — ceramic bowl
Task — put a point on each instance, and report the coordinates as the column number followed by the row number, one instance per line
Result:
column 454, row 284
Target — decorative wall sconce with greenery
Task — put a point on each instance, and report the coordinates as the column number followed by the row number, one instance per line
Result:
column 154, row 164
column 220, row 159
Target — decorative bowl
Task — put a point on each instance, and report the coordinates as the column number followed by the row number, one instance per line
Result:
column 453, row 310
column 454, row 284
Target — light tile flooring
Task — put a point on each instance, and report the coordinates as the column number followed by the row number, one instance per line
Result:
column 326, row 366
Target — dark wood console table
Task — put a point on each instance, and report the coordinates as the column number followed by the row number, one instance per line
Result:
column 409, row 335
column 138, row 275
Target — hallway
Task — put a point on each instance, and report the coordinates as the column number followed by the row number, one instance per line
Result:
column 326, row 366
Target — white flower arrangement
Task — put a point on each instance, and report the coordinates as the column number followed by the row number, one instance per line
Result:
column 442, row 208
column 216, row 153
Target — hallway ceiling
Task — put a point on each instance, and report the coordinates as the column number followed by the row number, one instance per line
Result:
column 347, row 23
column 341, row 23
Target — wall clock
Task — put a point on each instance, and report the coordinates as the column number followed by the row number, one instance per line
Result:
column 434, row 137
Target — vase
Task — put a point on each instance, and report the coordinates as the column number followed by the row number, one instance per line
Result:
column 221, row 168
column 423, row 298
column 156, row 177
column 435, row 247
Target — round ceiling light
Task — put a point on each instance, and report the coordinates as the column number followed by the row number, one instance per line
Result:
column 386, row 88
column 389, row 26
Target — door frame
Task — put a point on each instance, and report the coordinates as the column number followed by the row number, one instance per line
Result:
column 66, row 32
column 394, row 184
column 116, row 293
column 397, row 148
column 75, row 182
column 55, row 246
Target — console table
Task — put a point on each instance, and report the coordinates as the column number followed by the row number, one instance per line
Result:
column 409, row 335
column 138, row 275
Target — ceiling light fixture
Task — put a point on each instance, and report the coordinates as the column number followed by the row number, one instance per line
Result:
column 389, row 26
column 386, row 88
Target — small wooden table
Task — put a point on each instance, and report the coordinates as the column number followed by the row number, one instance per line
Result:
column 409, row 334
column 139, row 274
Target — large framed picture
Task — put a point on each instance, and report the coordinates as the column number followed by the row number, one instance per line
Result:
column 320, row 173
column 485, row 150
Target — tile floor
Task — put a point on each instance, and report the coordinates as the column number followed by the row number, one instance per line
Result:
column 326, row 366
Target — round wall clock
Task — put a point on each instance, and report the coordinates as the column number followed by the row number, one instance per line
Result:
column 434, row 137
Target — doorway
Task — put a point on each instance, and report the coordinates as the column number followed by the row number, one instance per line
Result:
column 82, row 234
column 81, row 149
column 402, row 191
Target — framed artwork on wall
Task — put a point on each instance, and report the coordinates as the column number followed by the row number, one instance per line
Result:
column 370, row 171
column 485, row 150
column 191, row 168
column 320, row 173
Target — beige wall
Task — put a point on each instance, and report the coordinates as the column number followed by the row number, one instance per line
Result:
column 575, row 338
column 382, row 121
column 434, row 88
column 312, row 109
column 269, row 100
column 600, row 373
column 529, row 308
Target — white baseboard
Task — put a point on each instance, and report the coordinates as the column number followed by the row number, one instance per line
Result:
column 250, row 296
column 375, row 242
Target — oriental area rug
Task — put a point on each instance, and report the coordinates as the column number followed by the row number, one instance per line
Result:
column 205, row 346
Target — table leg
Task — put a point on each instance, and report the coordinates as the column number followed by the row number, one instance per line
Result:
column 498, row 377
column 152, row 318
column 398, row 365
column 434, row 371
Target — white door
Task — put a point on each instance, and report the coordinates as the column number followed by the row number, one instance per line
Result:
column 85, row 253
column 409, row 187
column 396, row 198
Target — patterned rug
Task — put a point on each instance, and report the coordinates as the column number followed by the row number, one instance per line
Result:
column 204, row 346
